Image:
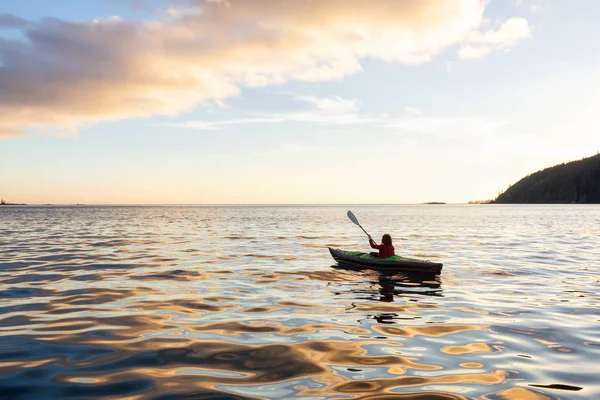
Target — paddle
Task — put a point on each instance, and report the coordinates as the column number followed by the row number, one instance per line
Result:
column 353, row 218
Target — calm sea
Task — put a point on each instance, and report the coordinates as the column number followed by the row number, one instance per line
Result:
column 228, row 302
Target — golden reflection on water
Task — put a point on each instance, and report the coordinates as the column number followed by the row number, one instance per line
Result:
column 251, row 365
column 473, row 365
column 254, row 364
column 468, row 349
column 519, row 394
column 428, row 330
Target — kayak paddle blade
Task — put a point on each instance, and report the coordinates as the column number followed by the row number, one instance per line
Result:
column 353, row 218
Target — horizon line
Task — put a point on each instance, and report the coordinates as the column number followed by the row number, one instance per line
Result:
column 232, row 204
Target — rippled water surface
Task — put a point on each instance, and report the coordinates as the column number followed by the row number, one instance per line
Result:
column 243, row 302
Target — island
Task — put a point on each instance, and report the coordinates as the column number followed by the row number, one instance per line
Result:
column 4, row 203
column 575, row 182
column 435, row 202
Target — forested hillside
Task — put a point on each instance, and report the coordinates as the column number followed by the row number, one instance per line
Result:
column 573, row 182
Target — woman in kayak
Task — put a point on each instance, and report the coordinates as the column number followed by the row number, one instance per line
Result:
column 385, row 248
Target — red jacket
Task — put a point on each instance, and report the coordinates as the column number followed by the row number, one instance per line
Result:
column 384, row 249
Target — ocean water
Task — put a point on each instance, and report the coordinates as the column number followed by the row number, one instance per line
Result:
column 173, row 302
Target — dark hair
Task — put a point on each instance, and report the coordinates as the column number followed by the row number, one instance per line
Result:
column 386, row 239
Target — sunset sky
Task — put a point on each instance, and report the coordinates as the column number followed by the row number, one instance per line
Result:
column 291, row 101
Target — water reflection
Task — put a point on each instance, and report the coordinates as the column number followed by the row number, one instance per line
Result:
column 387, row 285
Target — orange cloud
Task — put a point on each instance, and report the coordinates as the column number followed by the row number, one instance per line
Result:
column 70, row 74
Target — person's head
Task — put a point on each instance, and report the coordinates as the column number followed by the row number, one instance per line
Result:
column 386, row 239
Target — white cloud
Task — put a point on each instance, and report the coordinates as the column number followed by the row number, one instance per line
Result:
column 508, row 34
column 336, row 111
column 69, row 74
column 480, row 44
column 334, row 105
column 323, row 111
column 474, row 51
column 222, row 124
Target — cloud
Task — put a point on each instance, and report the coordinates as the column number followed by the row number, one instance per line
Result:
column 63, row 75
column 9, row 21
column 334, row 105
column 474, row 51
column 323, row 111
column 480, row 44
column 222, row 124
column 337, row 111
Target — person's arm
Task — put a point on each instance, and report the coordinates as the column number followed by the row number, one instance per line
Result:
column 373, row 244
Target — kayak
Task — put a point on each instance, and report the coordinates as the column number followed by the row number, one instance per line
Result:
column 365, row 260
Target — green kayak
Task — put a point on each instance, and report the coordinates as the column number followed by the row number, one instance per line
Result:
column 365, row 260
